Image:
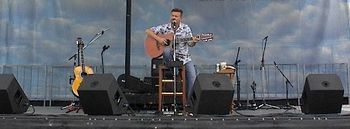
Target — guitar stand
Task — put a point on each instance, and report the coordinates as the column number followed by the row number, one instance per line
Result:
column 253, row 103
column 73, row 106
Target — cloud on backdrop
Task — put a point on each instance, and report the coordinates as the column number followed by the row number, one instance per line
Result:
column 300, row 31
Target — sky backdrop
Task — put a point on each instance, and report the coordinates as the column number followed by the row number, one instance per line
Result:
column 299, row 31
column 40, row 33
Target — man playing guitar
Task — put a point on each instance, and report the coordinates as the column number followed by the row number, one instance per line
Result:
column 181, row 30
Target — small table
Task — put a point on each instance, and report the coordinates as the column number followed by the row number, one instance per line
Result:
column 229, row 72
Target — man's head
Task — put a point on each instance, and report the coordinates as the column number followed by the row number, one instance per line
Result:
column 176, row 15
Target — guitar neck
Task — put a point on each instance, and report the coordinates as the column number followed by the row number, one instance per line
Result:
column 82, row 60
column 81, row 53
column 183, row 39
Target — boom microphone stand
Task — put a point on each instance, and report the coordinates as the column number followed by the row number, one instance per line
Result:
column 263, row 79
column 98, row 35
column 287, row 106
column 238, row 81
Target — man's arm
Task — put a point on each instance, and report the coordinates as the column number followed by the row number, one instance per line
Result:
column 151, row 34
column 195, row 39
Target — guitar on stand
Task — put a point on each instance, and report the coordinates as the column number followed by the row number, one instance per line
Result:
column 80, row 70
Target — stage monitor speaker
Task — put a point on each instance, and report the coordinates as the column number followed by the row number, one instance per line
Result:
column 12, row 98
column 100, row 94
column 322, row 94
column 212, row 94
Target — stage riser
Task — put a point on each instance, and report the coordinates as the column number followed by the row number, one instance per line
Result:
column 151, row 100
column 122, row 122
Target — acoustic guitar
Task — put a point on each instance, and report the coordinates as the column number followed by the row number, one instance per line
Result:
column 80, row 70
column 155, row 49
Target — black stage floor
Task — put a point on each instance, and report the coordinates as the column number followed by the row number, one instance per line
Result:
column 55, row 118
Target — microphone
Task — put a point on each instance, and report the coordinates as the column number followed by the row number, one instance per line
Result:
column 105, row 47
column 103, row 31
column 173, row 23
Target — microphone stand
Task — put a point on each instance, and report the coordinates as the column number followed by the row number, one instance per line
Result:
column 104, row 48
column 238, row 81
column 75, row 59
column 287, row 106
column 263, row 78
column 98, row 35
column 173, row 25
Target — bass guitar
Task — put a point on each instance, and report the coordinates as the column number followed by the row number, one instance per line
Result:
column 80, row 70
column 155, row 49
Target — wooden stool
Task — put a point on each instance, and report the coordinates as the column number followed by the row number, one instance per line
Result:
column 181, row 78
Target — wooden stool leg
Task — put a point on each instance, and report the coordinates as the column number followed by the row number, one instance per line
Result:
column 184, row 94
column 182, row 79
column 160, row 89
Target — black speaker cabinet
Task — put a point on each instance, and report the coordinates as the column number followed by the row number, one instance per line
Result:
column 322, row 94
column 100, row 95
column 212, row 94
column 12, row 98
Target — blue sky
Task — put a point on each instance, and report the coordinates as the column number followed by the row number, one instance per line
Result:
column 300, row 31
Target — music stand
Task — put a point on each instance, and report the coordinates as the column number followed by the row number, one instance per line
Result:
column 287, row 106
column 264, row 105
